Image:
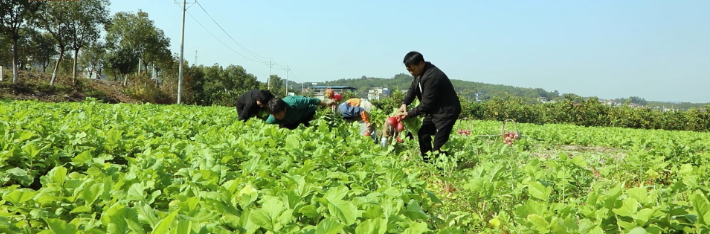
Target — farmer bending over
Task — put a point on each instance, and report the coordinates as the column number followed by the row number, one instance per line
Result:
column 439, row 102
column 250, row 102
column 356, row 109
column 291, row 111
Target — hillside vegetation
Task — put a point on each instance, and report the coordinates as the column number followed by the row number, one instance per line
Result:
column 487, row 92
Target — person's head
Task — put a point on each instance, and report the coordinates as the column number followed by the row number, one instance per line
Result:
column 277, row 108
column 263, row 98
column 414, row 61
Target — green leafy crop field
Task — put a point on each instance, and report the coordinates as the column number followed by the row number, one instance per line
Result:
column 97, row 168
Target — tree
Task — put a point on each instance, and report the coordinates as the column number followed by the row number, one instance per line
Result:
column 123, row 60
column 55, row 17
column 13, row 14
column 137, row 33
column 88, row 16
column 92, row 58
column 276, row 84
column 43, row 49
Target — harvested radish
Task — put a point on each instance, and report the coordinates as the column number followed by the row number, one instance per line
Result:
column 392, row 121
column 400, row 127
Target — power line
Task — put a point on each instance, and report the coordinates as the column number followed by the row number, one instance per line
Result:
column 230, row 36
column 220, row 41
column 269, row 63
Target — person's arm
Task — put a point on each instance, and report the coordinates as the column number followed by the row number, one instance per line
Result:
column 246, row 109
column 430, row 86
column 364, row 116
column 271, row 120
column 305, row 102
column 409, row 97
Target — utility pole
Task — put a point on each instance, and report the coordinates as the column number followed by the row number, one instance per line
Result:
column 195, row 57
column 268, row 80
column 182, row 47
column 287, row 69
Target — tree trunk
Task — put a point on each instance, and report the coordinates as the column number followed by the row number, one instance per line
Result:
column 44, row 66
column 56, row 66
column 125, row 80
column 73, row 77
column 15, row 75
column 91, row 71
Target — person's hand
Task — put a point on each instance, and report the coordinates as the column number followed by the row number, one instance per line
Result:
column 369, row 127
column 401, row 115
column 402, row 108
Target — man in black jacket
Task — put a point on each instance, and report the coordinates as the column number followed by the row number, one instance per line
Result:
column 249, row 103
column 438, row 102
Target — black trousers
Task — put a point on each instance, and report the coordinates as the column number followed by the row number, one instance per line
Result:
column 303, row 121
column 441, row 136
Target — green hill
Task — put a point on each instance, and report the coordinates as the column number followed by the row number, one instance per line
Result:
column 467, row 89
column 485, row 91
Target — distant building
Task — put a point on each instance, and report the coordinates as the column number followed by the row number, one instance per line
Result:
column 377, row 92
column 320, row 89
column 540, row 99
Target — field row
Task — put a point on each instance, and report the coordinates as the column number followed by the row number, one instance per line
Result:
column 100, row 168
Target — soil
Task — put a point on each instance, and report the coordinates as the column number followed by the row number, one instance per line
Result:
column 35, row 86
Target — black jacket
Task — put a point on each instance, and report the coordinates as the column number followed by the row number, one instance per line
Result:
column 246, row 105
column 437, row 97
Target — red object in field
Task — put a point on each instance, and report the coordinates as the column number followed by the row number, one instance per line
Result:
column 328, row 93
column 400, row 127
column 392, row 121
column 367, row 134
column 338, row 97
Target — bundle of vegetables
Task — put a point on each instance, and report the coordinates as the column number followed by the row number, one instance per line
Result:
column 411, row 123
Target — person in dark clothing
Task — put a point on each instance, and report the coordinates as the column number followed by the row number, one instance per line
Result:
column 292, row 111
column 439, row 103
column 249, row 103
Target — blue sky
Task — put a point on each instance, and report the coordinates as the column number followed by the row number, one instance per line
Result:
column 655, row 49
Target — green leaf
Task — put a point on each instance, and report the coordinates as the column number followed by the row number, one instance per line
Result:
column 639, row 194
column 702, row 207
column 345, row 211
column 19, row 196
column 539, row 223
column 184, row 227
column 31, row 150
column 628, row 208
column 59, row 226
column 58, row 175
column 329, row 226
column 165, row 224
column 539, row 191
column 416, row 228
column 336, row 194
column 414, row 211
column 373, row 212
column 261, row 218
column 82, row 158
column 638, row 230
column 372, row 226
column 92, row 192
column 580, row 162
